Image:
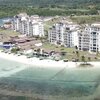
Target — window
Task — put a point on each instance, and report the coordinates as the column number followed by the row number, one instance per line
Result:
column 94, row 44
column 94, row 48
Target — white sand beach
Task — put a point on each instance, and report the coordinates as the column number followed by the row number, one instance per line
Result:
column 24, row 63
column 36, row 62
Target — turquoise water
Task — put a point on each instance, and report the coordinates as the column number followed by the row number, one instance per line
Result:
column 53, row 83
column 8, row 68
column 1, row 21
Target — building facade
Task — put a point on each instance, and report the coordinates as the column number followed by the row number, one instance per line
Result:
column 86, row 39
column 32, row 26
column 95, row 38
column 89, row 38
column 63, row 34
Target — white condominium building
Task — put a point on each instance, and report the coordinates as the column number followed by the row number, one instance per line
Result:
column 89, row 39
column 56, row 34
column 95, row 37
column 32, row 26
column 64, row 34
column 84, row 40
column 70, row 35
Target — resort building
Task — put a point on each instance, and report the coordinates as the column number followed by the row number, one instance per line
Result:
column 89, row 38
column 71, row 35
column 29, row 25
column 64, row 34
column 95, row 37
column 84, row 40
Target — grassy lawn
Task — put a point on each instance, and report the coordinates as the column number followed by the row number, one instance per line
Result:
column 86, row 19
column 71, row 53
column 6, row 34
column 77, row 19
column 9, row 32
column 57, row 48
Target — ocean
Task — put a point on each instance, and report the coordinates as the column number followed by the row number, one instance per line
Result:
column 51, row 83
column 2, row 20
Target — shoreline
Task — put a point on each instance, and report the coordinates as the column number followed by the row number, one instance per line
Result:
column 36, row 62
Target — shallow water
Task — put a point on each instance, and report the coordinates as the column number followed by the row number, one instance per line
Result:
column 8, row 68
column 52, row 83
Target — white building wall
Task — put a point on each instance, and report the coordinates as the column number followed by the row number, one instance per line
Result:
column 28, row 25
column 99, row 42
column 60, row 35
column 41, row 29
column 75, row 39
column 72, row 37
column 35, row 29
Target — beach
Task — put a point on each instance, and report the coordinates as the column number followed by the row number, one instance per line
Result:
column 45, row 76
column 42, row 63
column 35, row 61
column 24, row 63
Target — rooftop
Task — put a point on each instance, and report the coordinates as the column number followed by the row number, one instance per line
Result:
column 96, row 25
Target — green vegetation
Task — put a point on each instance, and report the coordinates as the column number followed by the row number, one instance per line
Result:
column 72, row 53
column 49, row 7
column 42, row 3
column 83, row 59
column 46, row 11
column 49, row 24
column 86, row 19
column 6, row 34
column 10, row 97
column 15, row 50
column 9, row 32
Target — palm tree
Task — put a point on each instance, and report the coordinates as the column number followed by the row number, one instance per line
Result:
column 38, row 50
column 83, row 59
column 77, row 53
column 97, row 53
column 89, row 58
